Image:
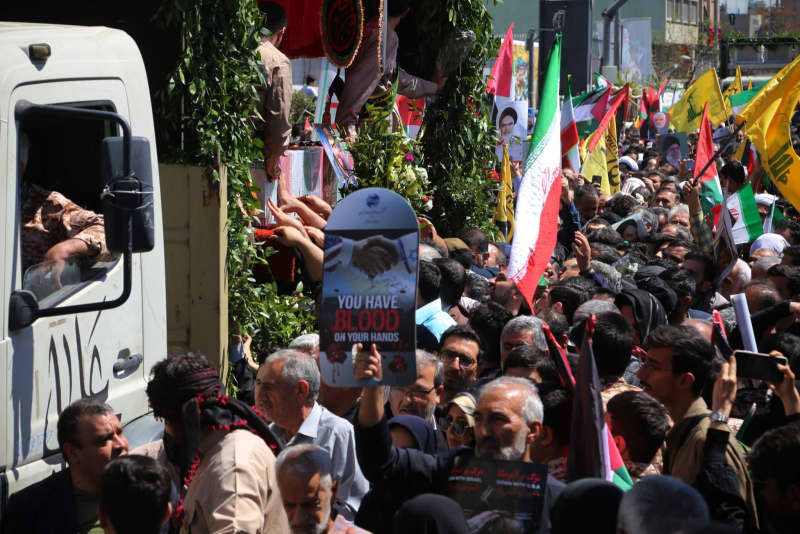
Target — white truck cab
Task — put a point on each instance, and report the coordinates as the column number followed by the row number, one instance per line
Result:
column 84, row 328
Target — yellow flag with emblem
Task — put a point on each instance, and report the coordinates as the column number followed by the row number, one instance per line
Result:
column 595, row 165
column 768, row 116
column 504, row 213
column 685, row 115
column 612, row 158
column 736, row 85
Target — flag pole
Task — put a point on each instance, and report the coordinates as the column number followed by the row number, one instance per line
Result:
column 717, row 153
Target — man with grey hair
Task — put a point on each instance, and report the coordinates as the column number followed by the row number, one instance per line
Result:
column 308, row 343
column 522, row 330
column 679, row 215
column 287, row 386
column 762, row 265
column 508, row 419
column 308, row 489
column 421, row 397
column 660, row 504
column 735, row 281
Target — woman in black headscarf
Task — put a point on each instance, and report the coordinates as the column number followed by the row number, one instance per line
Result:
column 379, row 505
column 430, row 514
column 586, row 505
column 410, row 431
column 643, row 312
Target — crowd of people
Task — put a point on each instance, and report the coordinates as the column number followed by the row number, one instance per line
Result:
column 707, row 451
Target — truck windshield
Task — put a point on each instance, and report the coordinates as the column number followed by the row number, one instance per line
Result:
column 62, row 235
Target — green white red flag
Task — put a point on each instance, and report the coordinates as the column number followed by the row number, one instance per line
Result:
column 710, row 189
column 539, row 194
column 570, row 157
column 744, row 210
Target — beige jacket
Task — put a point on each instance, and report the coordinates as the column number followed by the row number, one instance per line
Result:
column 235, row 488
column 275, row 99
column 683, row 460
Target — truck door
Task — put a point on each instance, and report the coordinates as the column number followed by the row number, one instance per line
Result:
column 60, row 359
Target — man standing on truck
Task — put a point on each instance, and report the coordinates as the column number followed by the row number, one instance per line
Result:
column 275, row 98
column 90, row 436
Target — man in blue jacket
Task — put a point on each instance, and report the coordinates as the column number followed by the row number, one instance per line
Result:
column 508, row 419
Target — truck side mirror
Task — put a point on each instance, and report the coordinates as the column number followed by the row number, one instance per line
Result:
column 128, row 198
column 23, row 308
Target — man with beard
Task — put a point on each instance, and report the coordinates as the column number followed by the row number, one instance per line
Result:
column 459, row 351
column 308, row 490
column 224, row 450
column 508, row 420
column 90, row 436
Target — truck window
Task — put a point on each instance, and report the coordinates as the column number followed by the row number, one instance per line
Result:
column 62, row 235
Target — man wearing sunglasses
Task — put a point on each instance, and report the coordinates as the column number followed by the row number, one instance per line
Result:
column 508, row 420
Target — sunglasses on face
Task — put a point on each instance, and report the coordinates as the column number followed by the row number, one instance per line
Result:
column 459, row 425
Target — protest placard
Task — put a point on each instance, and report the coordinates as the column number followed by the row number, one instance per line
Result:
column 369, row 287
column 515, row 489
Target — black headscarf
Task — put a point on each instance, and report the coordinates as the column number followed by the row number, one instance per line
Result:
column 586, row 505
column 422, row 431
column 430, row 514
column 647, row 310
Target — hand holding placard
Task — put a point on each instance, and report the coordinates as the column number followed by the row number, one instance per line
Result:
column 367, row 364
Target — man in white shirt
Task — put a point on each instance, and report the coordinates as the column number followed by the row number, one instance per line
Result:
column 287, row 386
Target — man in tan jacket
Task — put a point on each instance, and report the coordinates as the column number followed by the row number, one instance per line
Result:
column 677, row 368
column 223, row 448
column 275, row 97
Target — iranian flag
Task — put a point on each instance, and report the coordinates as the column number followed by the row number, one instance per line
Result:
column 710, row 189
column 570, row 157
column 744, row 210
column 539, row 194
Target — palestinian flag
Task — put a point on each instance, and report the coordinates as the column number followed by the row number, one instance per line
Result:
column 601, row 81
column 589, row 109
column 743, row 209
column 739, row 100
column 710, row 188
column 570, row 158
column 559, row 358
column 540, row 189
column 592, row 451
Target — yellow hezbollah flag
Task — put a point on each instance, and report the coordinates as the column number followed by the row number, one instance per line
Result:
column 736, row 86
column 767, row 116
column 595, row 166
column 686, row 113
column 612, row 157
column 504, row 214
